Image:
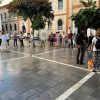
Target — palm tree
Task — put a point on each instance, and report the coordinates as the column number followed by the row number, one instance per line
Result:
column 89, row 3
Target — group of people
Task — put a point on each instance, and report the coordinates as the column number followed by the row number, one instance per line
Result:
column 57, row 39
column 80, row 41
column 5, row 37
column 93, row 45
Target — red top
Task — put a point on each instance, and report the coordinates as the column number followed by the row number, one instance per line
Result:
column 70, row 36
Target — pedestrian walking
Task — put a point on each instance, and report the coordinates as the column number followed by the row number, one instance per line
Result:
column 81, row 44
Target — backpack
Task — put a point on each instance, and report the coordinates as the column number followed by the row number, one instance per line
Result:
column 97, row 45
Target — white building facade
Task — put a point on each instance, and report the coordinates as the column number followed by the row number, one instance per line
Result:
column 62, row 9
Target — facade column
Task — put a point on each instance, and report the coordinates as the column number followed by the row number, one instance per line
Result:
column 18, row 18
column 28, row 25
column 99, row 3
column 0, row 24
column 67, row 15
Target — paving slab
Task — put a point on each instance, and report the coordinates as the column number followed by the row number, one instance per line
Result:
column 30, row 78
column 89, row 91
column 34, row 78
column 7, row 55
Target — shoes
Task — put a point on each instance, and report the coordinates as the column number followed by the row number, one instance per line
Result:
column 94, row 71
column 81, row 63
column 77, row 63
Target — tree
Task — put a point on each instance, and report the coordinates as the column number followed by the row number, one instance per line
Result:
column 89, row 3
column 89, row 17
column 38, row 11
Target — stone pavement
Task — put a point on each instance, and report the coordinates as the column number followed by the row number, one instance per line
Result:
column 45, row 74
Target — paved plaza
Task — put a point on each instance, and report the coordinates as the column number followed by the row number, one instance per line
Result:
column 46, row 74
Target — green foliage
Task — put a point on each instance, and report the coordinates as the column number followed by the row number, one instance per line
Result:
column 38, row 23
column 88, row 17
column 39, row 11
column 89, row 3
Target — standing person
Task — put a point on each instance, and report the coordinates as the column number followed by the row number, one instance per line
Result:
column 69, row 30
column 57, row 38
column 8, row 38
column 15, row 37
column 63, row 39
column 51, row 39
column 0, row 39
column 70, row 39
column 81, row 44
column 74, row 40
column 21, row 39
column 90, row 41
column 60, row 39
column 29, row 39
column 43, row 39
column 4, row 41
column 33, row 40
column 96, row 50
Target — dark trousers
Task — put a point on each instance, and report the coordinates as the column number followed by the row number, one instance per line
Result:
column 15, row 42
column 0, row 41
column 21, row 43
column 51, row 43
column 80, row 54
column 33, row 43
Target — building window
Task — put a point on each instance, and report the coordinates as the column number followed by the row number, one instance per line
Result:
column 10, row 27
column 23, row 29
column 49, row 26
column 6, row 27
column 60, row 24
column 60, row 4
column 15, row 27
column 1, row 17
column 5, row 16
column 2, row 27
